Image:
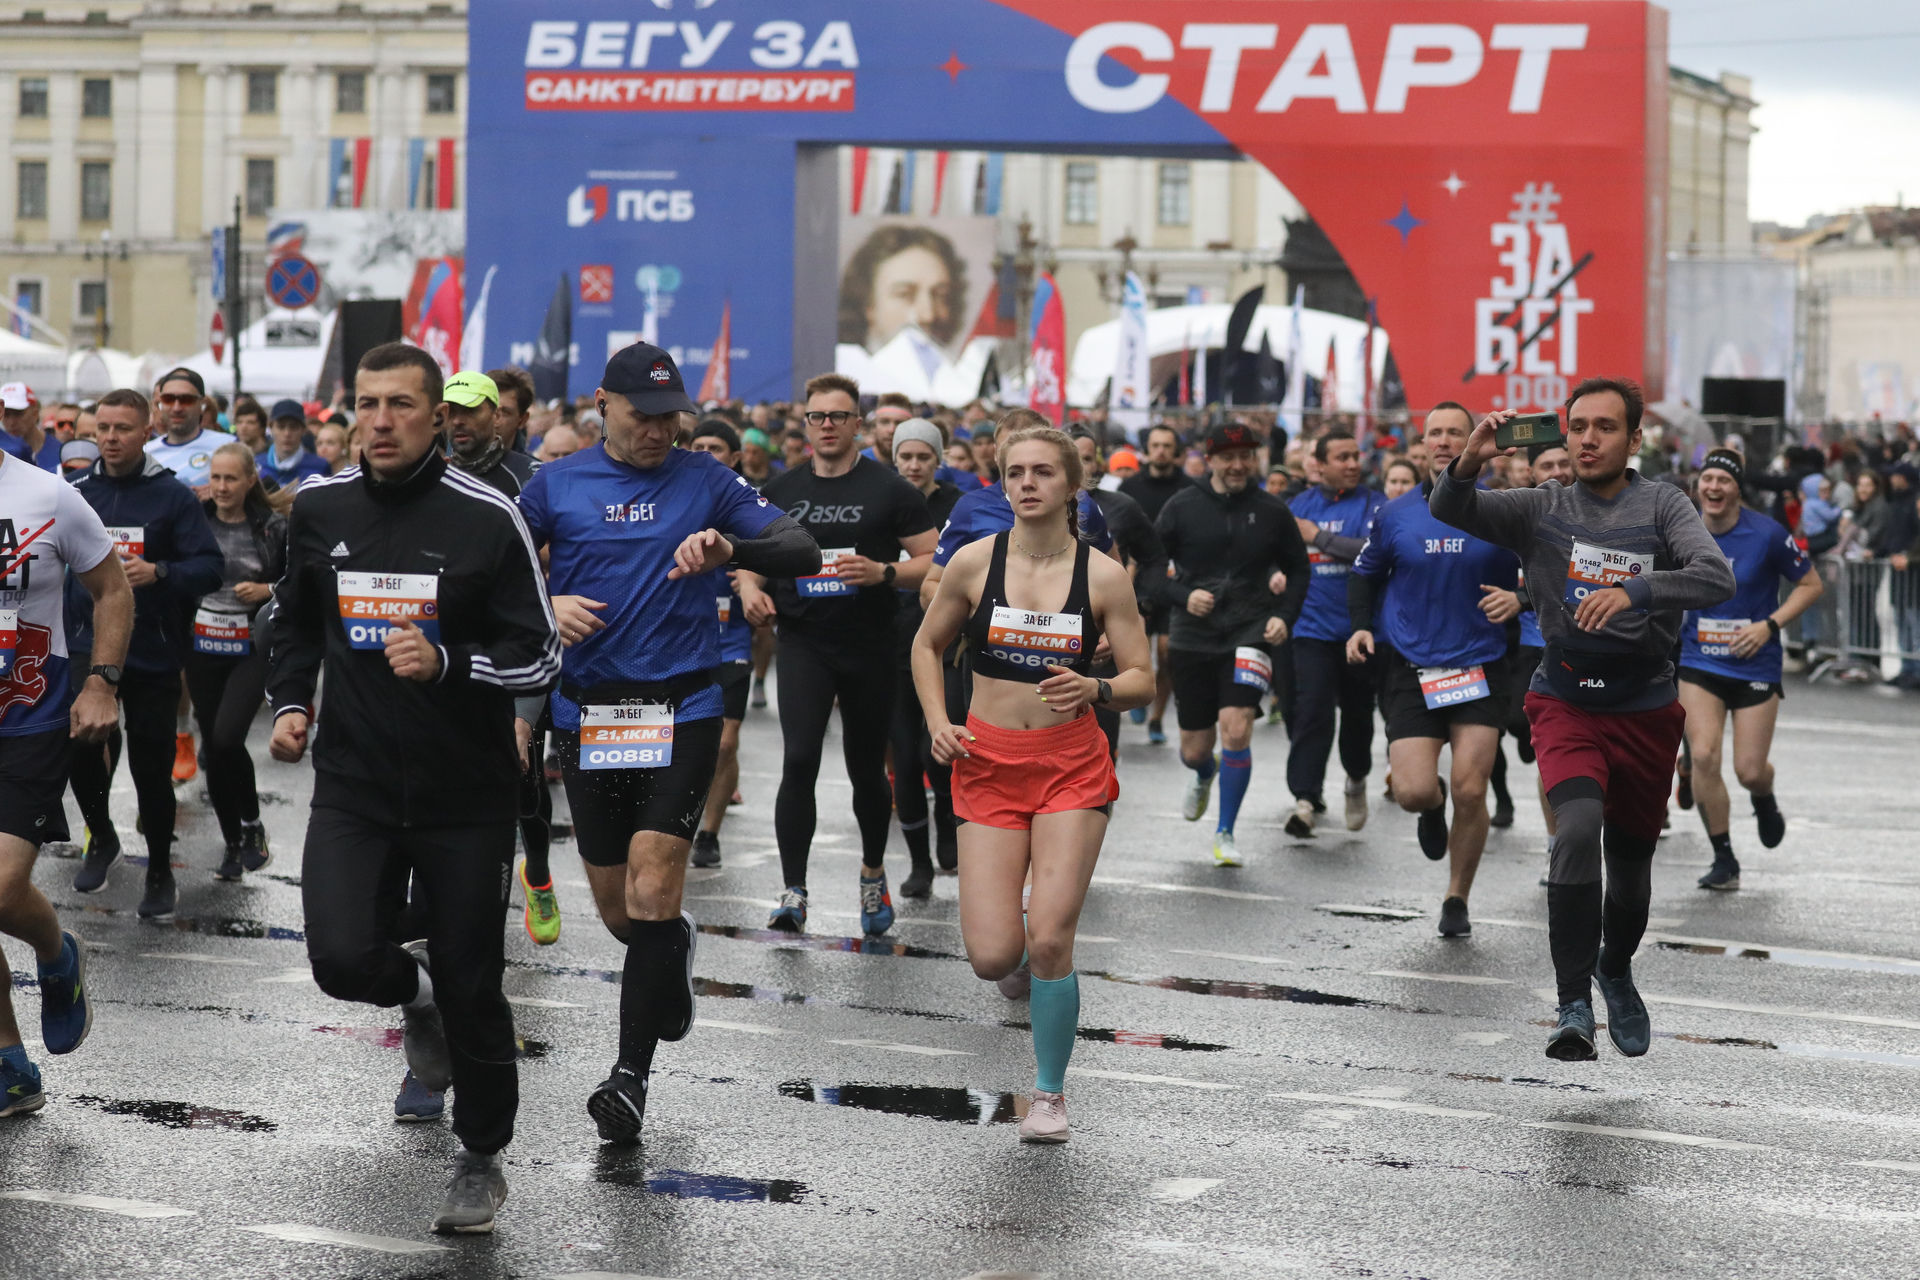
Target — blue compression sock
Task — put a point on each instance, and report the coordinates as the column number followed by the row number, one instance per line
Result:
column 1206, row 768
column 1236, row 770
column 1054, row 1009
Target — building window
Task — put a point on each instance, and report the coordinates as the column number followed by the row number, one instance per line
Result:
column 1176, row 194
column 93, row 300
column 1083, row 194
column 96, row 99
column 32, row 204
column 263, row 93
column 441, row 96
column 350, row 93
column 33, row 98
column 259, row 188
column 30, row 296
column 96, row 191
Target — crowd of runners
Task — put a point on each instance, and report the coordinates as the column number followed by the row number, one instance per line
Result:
column 453, row 629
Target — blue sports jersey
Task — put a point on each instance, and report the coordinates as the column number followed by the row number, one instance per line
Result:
column 1324, row 616
column 981, row 513
column 1763, row 555
column 612, row 530
column 1429, row 609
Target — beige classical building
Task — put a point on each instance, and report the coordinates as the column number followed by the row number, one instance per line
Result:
column 130, row 127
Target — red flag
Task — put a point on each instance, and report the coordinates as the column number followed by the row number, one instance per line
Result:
column 362, row 164
column 859, row 176
column 718, row 384
column 1330, row 385
column 1047, row 388
column 939, row 178
column 443, row 172
column 1185, row 394
column 431, row 314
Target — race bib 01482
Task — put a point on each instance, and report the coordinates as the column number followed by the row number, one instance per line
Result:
column 371, row 604
column 1590, row 568
column 626, row 736
column 1443, row 687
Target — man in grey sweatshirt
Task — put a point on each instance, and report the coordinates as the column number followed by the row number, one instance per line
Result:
column 1612, row 561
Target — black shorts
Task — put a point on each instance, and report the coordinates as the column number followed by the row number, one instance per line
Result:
column 33, row 784
column 1203, row 683
column 610, row 805
column 1159, row 619
column 1405, row 709
column 1737, row 694
column 736, row 681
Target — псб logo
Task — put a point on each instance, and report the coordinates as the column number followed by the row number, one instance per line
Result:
column 586, row 205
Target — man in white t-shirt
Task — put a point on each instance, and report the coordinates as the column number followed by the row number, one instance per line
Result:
column 47, row 528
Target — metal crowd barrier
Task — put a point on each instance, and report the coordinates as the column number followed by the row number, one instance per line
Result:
column 1866, row 628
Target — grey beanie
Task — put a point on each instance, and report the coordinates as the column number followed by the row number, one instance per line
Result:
column 923, row 431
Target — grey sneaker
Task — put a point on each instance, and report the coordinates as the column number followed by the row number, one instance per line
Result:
column 1356, row 795
column 1572, row 1038
column 424, row 1037
column 1627, row 1021
column 477, row 1189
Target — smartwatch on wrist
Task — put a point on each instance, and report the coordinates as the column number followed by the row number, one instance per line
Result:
column 889, row 574
column 106, row 671
column 1104, row 694
column 1774, row 627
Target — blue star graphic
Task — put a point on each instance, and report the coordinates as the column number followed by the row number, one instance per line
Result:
column 1404, row 222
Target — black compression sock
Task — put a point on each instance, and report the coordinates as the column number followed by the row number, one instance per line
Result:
column 1722, row 846
column 1573, row 936
column 917, row 847
column 654, row 999
column 1766, row 806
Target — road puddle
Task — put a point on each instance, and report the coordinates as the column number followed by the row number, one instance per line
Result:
column 178, row 1115
column 623, row 1168
column 1246, row 991
column 927, row 1102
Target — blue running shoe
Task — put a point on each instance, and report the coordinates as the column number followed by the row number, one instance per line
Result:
column 19, row 1087
column 66, row 1015
column 876, row 906
column 1156, row 736
column 1627, row 1021
column 1572, row 1039
column 1138, row 715
column 418, row 1104
column 791, row 915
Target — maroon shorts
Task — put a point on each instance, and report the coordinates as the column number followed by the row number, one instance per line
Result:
column 1009, row 775
column 1629, row 753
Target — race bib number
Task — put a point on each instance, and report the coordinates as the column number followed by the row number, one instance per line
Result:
column 626, row 736
column 1253, row 667
column 1033, row 639
column 826, row 583
column 229, row 635
column 128, row 539
column 725, row 605
column 372, row 604
column 9, row 640
column 1591, row 568
column 1716, row 636
column 1443, row 687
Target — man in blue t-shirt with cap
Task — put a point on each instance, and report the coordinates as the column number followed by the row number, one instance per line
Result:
column 287, row 461
column 634, row 529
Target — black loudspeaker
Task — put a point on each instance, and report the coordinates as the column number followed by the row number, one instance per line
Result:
column 1744, row 397
column 363, row 326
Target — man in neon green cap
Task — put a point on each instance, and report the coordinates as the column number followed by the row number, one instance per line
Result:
column 473, row 445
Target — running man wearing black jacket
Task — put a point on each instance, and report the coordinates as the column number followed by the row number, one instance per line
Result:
column 417, row 588
column 1225, row 540
column 1151, row 487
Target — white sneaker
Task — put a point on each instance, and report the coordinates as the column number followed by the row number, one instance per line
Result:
column 1225, row 852
column 1193, row 805
column 1300, row 825
column 1356, row 803
column 1046, row 1118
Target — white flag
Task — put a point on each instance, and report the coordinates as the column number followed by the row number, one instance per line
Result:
column 1293, row 407
column 1127, row 407
column 473, row 339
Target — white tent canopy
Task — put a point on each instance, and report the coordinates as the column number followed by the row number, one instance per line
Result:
column 268, row 373
column 42, row 366
column 1171, row 330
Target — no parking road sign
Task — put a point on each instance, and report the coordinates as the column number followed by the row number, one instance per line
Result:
column 293, row 282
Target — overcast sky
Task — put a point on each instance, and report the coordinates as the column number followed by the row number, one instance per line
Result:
column 1838, row 83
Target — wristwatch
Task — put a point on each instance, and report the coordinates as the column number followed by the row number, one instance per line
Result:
column 106, row 671
column 889, row 574
column 1105, row 693
column 160, row 569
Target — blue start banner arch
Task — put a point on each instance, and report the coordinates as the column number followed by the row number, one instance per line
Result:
column 1491, row 170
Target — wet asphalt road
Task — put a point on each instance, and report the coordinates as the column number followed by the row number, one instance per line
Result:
column 1283, row 1070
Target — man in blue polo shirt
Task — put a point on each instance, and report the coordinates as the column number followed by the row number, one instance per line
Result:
column 634, row 529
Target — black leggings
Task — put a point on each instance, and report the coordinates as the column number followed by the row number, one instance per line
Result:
column 227, row 693
column 914, row 767
column 1323, row 682
column 813, row 673
column 149, row 704
column 536, row 805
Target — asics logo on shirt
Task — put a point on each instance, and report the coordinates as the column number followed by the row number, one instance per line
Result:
column 631, row 513
column 810, row 513
column 1445, row 546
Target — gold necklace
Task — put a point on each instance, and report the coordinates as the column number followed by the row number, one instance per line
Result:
column 1040, row 555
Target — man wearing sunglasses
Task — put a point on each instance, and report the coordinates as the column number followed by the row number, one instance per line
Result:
column 187, row 447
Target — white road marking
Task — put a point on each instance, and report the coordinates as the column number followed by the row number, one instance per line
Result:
column 1211, row 892
column 1389, row 1104
column 196, row 956
column 1646, row 1135
column 1464, row 979
column 1902, row 1166
column 601, row 1275
column 1382, row 1091
column 1482, row 1037
column 1540, row 925
column 105, row 1204
column 1141, row 1078
column 299, row 1233
column 1235, row 955
column 1179, row 1190
column 924, row 1050
column 698, row 874
column 291, row 976
column 1772, row 1010
column 767, row 904
column 752, row 1029
column 536, row 1002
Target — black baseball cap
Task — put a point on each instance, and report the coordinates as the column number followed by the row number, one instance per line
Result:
column 182, row 374
column 647, row 376
column 1230, row 435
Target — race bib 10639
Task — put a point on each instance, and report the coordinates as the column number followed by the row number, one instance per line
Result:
column 372, row 604
column 626, row 736
column 1443, row 687
column 228, row 635
column 1590, row 568
column 826, row 582
column 1253, row 666
column 1716, row 635
column 1033, row 639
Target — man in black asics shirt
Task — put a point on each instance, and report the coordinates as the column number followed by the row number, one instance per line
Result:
column 836, row 637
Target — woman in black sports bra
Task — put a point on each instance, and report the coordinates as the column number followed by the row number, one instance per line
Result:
column 1033, row 783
